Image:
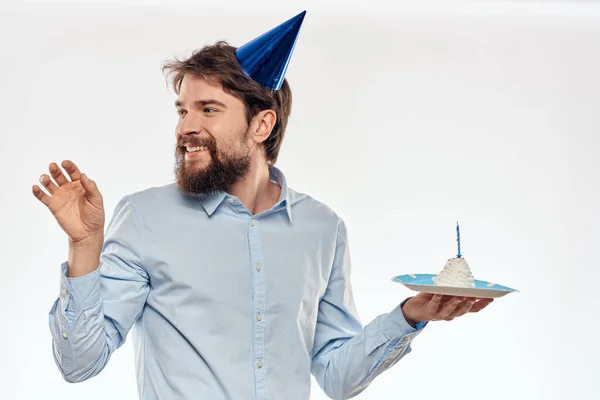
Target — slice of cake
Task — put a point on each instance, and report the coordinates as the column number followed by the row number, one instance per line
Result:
column 456, row 273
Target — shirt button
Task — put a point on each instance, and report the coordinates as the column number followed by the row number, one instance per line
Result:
column 258, row 267
column 65, row 335
column 253, row 222
column 230, row 200
column 259, row 363
column 64, row 292
column 259, row 317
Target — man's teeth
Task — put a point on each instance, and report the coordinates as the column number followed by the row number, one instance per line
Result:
column 196, row 148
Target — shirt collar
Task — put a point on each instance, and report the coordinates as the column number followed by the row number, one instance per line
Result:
column 278, row 177
column 213, row 201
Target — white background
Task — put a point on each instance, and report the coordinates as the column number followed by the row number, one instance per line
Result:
column 421, row 114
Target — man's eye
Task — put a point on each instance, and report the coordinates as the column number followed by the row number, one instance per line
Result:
column 209, row 110
column 180, row 112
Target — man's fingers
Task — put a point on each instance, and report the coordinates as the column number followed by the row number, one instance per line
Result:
column 46, row 182
column 57, row 174
column 480, row 305
column 446, row 298
column 424, row 298
column 462, row 309
column 40, row 195
column 72, row 170
column 434, row 304
column 450, row 307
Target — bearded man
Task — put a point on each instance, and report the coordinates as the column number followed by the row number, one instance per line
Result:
column 238, row 287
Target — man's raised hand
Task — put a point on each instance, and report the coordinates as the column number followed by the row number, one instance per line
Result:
column 75, row 201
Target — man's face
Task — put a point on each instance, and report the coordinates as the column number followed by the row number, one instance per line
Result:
column 213, row 144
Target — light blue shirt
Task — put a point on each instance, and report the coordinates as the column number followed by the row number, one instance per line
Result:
column 225, row 304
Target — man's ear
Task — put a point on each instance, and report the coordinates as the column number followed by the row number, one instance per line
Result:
column 263, row 124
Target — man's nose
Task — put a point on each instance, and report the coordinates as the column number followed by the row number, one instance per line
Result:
column 189, row 127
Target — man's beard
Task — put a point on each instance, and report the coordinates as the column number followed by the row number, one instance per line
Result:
column 220, row 174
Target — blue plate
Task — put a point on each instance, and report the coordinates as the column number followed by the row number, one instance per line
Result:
column 424, row 283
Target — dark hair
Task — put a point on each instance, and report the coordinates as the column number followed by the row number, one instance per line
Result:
column 218, row 64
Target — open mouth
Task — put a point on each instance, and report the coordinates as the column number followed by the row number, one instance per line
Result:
column 195, row 149
column 195, row 152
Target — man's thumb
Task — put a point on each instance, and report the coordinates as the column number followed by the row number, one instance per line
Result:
column 90, row 186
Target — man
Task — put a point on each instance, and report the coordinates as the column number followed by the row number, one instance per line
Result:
column 238, row 286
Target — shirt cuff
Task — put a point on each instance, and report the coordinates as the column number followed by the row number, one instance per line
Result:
column 394, row 325
column 81, row 292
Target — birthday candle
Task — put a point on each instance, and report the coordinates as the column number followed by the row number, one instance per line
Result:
column 458, row 238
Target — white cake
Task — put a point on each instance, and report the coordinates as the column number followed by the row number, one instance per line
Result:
column 456, row 273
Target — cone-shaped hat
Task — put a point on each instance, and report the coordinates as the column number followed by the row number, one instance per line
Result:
column 266, row 58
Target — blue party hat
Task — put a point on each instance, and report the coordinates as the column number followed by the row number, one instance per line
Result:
column 266, row 58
